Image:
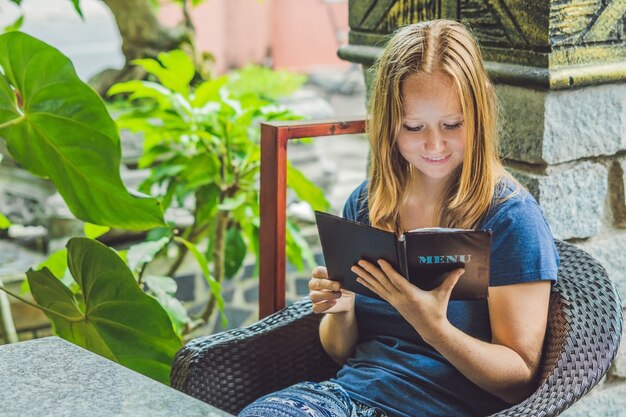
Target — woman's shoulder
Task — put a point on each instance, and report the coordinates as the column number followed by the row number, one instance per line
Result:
column 513, row 202
column 522, row 243
column 516, row 216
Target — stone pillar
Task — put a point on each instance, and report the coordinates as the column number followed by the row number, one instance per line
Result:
column 560, row 72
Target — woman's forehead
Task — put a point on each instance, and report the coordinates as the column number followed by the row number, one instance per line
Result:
column 430, row 95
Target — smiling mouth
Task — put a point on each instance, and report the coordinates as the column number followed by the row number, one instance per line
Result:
column 436, row 159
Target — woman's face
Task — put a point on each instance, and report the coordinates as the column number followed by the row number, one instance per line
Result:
column 433, row 133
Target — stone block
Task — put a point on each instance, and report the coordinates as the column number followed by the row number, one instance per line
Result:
column 572, row 199
column 609, row 250
column 608, row 400
column 522, row 119
column 559, row 126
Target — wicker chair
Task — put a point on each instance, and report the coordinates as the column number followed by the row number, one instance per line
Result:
column 231, row 369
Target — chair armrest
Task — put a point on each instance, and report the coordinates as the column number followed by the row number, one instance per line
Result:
column 582, row 338
column 231, row 369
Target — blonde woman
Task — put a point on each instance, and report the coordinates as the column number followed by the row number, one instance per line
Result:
column 434, row 162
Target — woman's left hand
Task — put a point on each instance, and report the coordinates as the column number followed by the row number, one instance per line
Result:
column 424, row 310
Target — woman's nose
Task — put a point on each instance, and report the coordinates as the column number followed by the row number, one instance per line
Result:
column 434, row 141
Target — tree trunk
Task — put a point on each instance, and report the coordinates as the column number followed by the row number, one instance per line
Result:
column 142, row 37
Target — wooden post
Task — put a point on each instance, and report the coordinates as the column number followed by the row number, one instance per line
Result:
column 273, row 207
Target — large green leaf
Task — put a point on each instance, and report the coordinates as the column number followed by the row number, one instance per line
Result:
column 264, row 82
column 112, row 317
column 76, row 4
column 298, row 250
column 236, row 250
column 4, row 222
column 16, row 25
column 174, row 69
column 305, row 189
column 59, row 128
column 143, row 253
column 216, row 287
column 164, row 290
column 57, row 265
column 93, row 231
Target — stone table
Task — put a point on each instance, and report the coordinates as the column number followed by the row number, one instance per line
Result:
column 52, row 377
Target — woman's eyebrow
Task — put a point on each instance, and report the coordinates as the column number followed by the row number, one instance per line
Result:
column 417, row 118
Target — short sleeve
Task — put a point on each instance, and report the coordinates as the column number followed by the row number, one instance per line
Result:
column 356, row 205
column 522, row 245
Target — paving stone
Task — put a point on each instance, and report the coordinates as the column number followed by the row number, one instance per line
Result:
column 302, row 286
column 251, row 295
column 186, row 287
column 248, row 271
column 228, row 292
column 319, row 259
column 237, row 317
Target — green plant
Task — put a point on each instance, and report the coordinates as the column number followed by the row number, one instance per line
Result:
column 56, row 127
column 110, row 315
column 202, row 145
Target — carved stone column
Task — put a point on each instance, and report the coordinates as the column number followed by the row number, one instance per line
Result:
column 560, row 73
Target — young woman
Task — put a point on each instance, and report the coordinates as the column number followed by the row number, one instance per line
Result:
column 435, row 162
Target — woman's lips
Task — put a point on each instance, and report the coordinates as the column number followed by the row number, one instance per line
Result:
column 437, row 160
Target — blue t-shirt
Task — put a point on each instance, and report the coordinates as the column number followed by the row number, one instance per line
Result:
column 394, row 369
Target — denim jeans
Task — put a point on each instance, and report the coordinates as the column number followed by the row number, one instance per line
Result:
column 309, row 399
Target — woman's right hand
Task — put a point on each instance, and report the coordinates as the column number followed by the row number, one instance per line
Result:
column 327, row 295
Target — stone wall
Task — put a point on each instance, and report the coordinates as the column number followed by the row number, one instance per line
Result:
column 568, row 148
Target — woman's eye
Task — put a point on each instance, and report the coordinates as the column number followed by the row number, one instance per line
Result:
column 413, row 128
column 454, row 126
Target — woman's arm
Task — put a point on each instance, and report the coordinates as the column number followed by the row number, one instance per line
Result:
column 339, row 334
column 507, row 366
column 338, row 328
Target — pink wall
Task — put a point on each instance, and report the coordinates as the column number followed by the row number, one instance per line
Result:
column 303, row 36
column 292, row 34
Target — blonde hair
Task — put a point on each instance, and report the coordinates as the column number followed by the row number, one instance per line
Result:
column 425, row 48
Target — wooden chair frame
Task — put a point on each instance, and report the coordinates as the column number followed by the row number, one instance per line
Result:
column 273, row 204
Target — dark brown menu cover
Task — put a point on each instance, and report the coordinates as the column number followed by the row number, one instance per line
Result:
column 425, row 256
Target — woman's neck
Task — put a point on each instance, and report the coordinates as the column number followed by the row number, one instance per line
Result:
column 427, row 191
column 420, row 203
